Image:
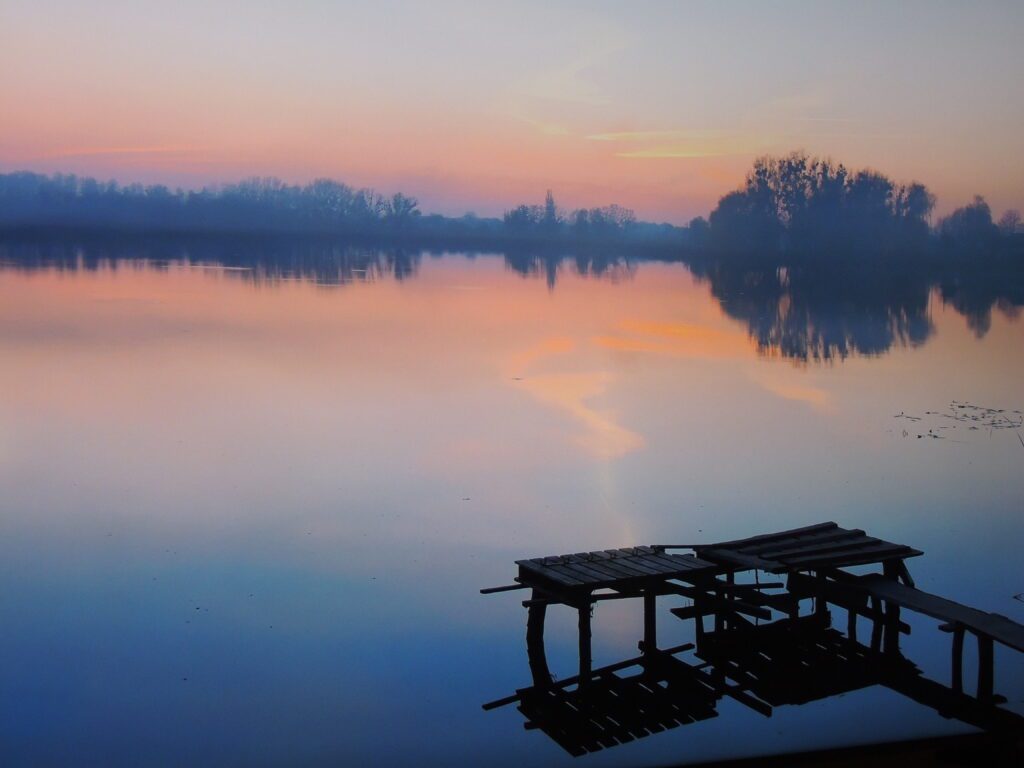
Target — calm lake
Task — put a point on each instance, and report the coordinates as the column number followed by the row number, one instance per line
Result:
column 247, row 499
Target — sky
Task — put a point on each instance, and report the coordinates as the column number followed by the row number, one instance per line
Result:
column 477, row 106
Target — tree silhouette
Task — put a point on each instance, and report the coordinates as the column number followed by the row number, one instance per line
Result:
column 798, row 203
column 970, row 228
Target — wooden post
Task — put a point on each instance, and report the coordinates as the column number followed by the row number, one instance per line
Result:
column 731, row 580
column 958, row 658
column 903, row 574
column 985, row 668
column 891, row 636
column 650, row 644
column 876, row 624
column 820, row 604
column 698, row 623
column 585, row 664
column 535, row 653
column 851, row 625
column 719, row 611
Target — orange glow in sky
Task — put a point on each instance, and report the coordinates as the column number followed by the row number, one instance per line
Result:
column 475, row 108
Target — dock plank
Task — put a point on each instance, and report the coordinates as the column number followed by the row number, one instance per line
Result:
column 796, row 548
column 549, row 572
column 824, row 544
column 624, row 570
column 741, row 560
column 584, row 572
column 994, row 625
column 876, row 552
column 822, row 537
column 765, row 537
column 628, row 567
column 611, row 571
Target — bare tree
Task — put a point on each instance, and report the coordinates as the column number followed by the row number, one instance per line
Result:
column 1009, row 222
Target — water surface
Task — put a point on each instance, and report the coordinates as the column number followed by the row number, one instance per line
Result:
column 248, row 503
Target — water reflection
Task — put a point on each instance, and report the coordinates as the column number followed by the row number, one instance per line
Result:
column 793, row 660
column 814, row 314
column 572, row 392
column 976, row 294
column 788, row 662
column 259, row 260
column 328, row 470
column 532, row 263
column 807, row 312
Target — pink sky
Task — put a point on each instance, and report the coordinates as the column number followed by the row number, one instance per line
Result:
column 476, row 108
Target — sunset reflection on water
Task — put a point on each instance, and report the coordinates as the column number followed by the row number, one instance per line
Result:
column 289, row 492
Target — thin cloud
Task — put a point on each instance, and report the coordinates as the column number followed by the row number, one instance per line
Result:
column 114, row 151
column 547, row 128
column 676, row 153
column 677, row 144
column 650, row 135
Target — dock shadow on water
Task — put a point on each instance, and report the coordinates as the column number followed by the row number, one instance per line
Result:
column 764, row 644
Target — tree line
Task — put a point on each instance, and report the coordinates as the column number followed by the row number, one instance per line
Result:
column 30, row 200
column 788, row 204
column 261, row 203
column 797, row 203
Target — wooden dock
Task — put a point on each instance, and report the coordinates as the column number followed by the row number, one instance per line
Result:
column 636, row 567
column 796, row 656
column 824, row 545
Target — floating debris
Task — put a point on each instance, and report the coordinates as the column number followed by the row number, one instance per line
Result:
column 968, row 416
column 994, row 418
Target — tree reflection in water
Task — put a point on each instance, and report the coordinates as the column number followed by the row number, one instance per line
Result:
column 809, row 310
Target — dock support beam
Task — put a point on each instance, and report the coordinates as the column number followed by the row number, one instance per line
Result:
column 876, row 624
column 698, row 623
column 585, row 663
column 958, row 658
column 985, row 668
column 535, row 653
column 891, row 634
column 820, row 603
column 650, row 643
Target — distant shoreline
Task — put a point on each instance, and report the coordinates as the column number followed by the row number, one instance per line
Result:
column 409, row 239
column 1008, row 255
column 790, row 209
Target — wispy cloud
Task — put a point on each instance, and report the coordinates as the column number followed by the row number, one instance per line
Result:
column 545, row 127
column 823, row 119
column 675, row 152
column 677, row 143
column 115, row 151
column 651, row 135
column 550, row 97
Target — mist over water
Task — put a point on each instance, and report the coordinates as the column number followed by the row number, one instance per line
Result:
column 251, row 487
